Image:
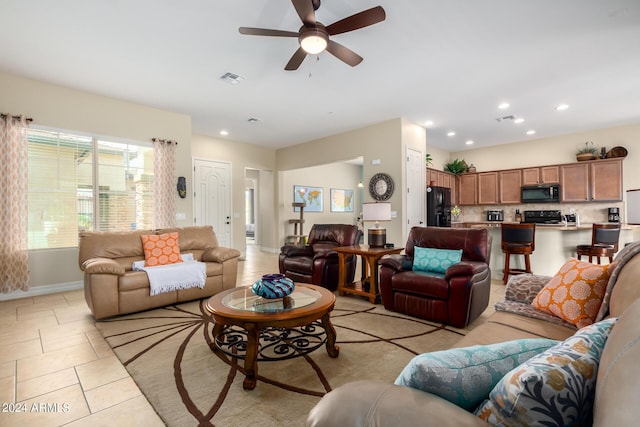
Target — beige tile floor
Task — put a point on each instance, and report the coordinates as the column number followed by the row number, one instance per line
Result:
column 56, row 369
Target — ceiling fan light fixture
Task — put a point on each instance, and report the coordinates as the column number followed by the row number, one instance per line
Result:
column 313, row 43
column 313, row 40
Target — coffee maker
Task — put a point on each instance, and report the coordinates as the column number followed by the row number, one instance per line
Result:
column 614, row 215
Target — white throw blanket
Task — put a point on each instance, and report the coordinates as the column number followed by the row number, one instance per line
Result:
column 171, row 277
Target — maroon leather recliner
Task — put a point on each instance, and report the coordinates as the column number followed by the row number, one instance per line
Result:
column 456, row 297
column 317, row 262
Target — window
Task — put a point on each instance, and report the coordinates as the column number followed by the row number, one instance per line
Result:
column 83, row 183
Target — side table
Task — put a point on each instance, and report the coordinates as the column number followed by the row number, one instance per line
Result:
column 370, row 257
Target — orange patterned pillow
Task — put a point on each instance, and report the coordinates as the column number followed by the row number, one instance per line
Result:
column 161, row 249
column 575, row 293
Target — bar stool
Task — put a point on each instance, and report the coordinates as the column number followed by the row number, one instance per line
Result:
column 517, row 239
column 604, row 242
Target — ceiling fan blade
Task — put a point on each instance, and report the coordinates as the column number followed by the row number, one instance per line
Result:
column 296, row 60
column 266, row 32
column 305, row 12
column 359, row 20
column 344, row 54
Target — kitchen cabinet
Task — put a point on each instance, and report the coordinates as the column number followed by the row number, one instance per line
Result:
column 598, row 181
column 438, row 178
column 510, row 182
column 468, row 189
column 488, row 188
column 606, row 180
column 443, row 179
column 574, row 182
column 541, row 175
column 454, row 189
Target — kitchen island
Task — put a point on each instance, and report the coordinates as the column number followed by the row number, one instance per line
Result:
column 555, row 245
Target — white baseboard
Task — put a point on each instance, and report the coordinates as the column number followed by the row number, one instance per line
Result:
column 270, row 250
column 42, row 290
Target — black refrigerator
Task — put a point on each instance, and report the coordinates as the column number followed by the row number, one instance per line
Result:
column 439, row 206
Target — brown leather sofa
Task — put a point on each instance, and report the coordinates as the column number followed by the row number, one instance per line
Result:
column 317, row 262
column 456, row 298
column 111, row 287
column 373, row 403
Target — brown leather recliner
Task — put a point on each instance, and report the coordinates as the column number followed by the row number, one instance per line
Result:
column 456, row 297
column 317, row 262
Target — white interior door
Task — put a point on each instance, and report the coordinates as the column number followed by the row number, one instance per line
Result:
column 415, row 188
column 212, row 198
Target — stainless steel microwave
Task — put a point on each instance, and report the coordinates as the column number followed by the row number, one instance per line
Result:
column 540, row 193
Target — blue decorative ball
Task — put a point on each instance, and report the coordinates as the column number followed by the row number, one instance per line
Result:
column 273, row 286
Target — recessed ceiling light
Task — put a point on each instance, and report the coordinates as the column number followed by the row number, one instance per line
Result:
column 451, row 133
column 469, row 142
column 428, row 123
column 531, row 132
column 504, row 106
column 224, row 133
column 562, row 107
column 518, row 120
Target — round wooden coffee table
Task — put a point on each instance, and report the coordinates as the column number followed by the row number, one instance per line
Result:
column 240, row 307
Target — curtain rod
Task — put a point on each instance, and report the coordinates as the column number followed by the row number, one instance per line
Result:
column 168, row 141
column 3, row 115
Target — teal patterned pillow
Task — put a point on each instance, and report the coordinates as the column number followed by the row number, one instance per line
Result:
column 435, row 260
column 555, row 388
column 465, row 376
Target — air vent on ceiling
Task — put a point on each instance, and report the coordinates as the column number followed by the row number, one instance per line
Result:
column 254, row 120
column 510, row 117
column 231, row 78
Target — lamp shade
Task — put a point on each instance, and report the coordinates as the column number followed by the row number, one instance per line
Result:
column 376, row 211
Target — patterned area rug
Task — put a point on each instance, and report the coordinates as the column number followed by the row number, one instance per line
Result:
column 168, row 353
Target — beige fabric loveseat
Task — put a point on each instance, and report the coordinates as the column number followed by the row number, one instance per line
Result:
column 112, row 287
column 372, row 403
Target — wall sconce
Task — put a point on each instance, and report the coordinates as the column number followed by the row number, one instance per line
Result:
column 376, row 211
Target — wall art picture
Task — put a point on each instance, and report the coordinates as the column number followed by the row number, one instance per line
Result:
column 312, row 196
column 341, row 200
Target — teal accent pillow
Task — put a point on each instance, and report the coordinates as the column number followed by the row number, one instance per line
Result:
column 465, row 376
column 555, row 388
column 435, row 260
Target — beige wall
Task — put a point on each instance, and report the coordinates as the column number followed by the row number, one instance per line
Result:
column 383, row 143
column 439, row 157
column 341, row 176
column 243, row 157
column 62, row 108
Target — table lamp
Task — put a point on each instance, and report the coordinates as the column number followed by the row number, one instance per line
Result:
column 376, row 211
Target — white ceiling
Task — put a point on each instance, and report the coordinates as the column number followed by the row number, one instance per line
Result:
column 451, row 61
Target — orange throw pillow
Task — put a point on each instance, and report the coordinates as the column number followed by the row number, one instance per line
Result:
column 161, row 249
column 575, row 293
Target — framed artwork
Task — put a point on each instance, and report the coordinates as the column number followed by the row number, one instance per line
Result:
column 341, row 200
column 312, row 196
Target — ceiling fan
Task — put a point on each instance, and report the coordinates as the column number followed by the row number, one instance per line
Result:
column 314, row 37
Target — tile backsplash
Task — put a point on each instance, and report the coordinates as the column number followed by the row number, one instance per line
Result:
column 589, row 212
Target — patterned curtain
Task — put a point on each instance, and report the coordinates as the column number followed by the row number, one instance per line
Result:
column 14, row 267
column 164, row 183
